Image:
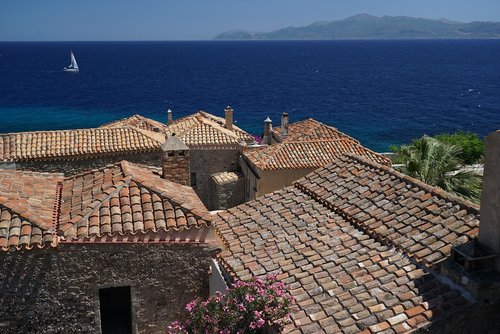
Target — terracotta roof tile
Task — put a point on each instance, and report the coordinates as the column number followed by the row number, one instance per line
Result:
column 311, row 129
column 125, row 199
column 203, row 129
column 28, row 208
column 330, row 238
column 138, row 121
column 309, row 144
column 43, row 145
column 124, row 202
column 422, row 221
column 307, row 154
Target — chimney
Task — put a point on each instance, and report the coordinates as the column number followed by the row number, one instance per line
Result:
column 268, row 129
column 489, row 227
column 229, row 117
column 169, row 117
column 284, row 125
column 175, row 161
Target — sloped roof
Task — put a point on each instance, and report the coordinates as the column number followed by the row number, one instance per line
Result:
column 28, row 209
column 137, row 121
column 311, row 129
column 124, row 202
column 420, row 220
column 127, row 199
column 354, row 242
column 43, row 145
column 307, row 154
column 309, row 144
column 203, row 129
column 129, row 135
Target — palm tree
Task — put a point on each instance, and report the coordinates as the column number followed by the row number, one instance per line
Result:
column 438, row 164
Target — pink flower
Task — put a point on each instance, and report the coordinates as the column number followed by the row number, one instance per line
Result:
column 249, row 298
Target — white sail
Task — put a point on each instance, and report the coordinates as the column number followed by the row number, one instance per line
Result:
column 74, row 65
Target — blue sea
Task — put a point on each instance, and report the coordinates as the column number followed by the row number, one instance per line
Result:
column 381, row 92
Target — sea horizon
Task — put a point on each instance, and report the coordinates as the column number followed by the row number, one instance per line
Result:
column 382, row 92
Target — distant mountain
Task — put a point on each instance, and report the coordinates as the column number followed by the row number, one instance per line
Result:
column 365, row 26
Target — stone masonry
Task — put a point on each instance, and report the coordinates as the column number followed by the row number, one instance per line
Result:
column 205, row 163
column 228, row 190
column 76, row 166
column 57, row 290
column 175, row 161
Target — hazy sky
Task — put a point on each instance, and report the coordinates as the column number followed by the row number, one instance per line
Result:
column 43, row 20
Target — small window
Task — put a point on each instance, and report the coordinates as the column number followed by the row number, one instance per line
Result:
column 116, row 310
column 170, row 153
column 182, row 153
column 193, row 180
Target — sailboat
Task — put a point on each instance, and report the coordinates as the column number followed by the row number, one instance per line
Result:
column 74, row 65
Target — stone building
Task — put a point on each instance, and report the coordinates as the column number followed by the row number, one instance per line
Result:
column 113, row 250
column 214, row 146
column 366, row 249
column 293, row 151
column 74, row 151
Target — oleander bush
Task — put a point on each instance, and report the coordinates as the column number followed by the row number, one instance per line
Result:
column 248, row 307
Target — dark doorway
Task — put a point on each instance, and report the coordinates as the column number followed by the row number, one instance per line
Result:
column 115, row 310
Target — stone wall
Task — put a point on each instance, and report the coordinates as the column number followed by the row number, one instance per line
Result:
column 227, row 190
column 207, row 162
column 57, row 290
column 477, row 318
column 72, row 167
column 176, row 167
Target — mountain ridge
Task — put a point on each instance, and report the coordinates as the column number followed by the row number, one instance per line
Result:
column 365, row 26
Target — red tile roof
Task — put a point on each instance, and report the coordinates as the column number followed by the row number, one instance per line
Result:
column 203, row 130
column 420, row 220
column 307, row 154
column 124, row 202
column 311, row 129
column 28, row 209
column 309, row 144
column 129, row 135
column 137, row 121
column 127, row 199
column 83, row 143
column 344, row 239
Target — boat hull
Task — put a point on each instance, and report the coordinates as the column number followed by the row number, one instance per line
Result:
column 70, row 69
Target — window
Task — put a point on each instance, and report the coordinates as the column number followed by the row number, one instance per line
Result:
column 193, row 179
column 116, row 310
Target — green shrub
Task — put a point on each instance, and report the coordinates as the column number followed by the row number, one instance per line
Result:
column 471, row 145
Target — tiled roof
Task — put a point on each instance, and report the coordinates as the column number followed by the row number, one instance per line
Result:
column 342, row 239
column 309, row 144
column 311, row 129
column 28, row 209
column 421, row 220
column 203, row 129
column 127, row 200
column 307, row 154
column 138, row 121
column 43, row 145
column 124, row 202
column 223, row 178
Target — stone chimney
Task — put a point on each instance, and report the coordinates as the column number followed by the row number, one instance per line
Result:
column 284, row 125
column 229, row 117
column 268, row 129
column 489, row 227
column 169, row 117
column 175, row 161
